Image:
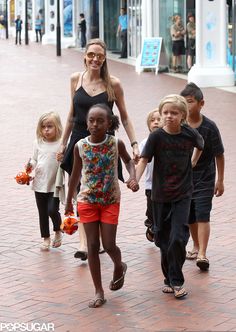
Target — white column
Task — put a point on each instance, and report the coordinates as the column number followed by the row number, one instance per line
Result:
column 211, row 68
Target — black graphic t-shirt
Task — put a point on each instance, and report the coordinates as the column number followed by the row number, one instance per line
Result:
column 172, row 172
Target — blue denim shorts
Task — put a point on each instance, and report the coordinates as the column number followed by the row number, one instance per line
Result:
column 200, row 209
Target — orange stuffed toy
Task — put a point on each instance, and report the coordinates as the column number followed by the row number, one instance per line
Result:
column 24, row 177
column 69, row 224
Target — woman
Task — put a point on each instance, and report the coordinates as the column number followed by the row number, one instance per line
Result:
column 93, row 86
column 177, row 32
column 191, row 30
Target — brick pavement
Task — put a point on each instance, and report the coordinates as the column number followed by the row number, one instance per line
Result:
column 53, row 287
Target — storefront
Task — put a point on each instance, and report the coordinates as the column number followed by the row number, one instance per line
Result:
column 231, row 46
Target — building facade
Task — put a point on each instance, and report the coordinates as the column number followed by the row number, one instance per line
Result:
column 146, row 18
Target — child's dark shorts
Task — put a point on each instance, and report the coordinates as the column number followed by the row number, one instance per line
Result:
column 200, row 209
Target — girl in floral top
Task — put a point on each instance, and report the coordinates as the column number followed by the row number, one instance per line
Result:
column 95, row 161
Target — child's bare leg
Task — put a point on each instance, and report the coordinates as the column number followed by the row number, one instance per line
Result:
column 203, row 238
column 108, row 233
column 92, row 234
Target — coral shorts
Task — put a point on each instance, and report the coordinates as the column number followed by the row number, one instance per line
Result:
column 107, row 214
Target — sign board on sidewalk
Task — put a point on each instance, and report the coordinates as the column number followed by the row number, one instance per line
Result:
column 150, row 54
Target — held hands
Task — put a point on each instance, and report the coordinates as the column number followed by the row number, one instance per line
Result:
column 132, row 184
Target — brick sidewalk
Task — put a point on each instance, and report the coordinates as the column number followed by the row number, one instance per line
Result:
column 53, row 287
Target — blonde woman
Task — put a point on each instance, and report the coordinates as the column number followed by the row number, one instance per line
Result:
column 93, row 86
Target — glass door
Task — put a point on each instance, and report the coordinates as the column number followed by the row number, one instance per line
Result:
column 111, row 10
column 167, row 9
column 135, row 27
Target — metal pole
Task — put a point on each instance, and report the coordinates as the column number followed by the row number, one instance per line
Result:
column 26, row 23
column 58, row 29
column 233, row 33
column 6, row 11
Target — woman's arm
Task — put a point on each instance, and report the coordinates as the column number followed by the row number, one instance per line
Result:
column 126, row 122
column 74, row 180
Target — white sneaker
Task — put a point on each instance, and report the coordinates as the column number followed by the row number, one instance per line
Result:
column 46, row 244
column 57, row 239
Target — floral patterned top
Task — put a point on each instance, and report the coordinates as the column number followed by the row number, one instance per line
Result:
column 99, row 181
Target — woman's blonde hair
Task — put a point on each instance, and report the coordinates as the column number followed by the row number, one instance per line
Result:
column 177, row 101
column 104, row 69
column 150, row 115
column 56, row 120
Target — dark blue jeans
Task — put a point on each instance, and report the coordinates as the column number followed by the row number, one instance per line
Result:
column 171, row 236
column 48, row 206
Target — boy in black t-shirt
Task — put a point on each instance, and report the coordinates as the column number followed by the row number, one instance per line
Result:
column 204, row 174
column 175, row 148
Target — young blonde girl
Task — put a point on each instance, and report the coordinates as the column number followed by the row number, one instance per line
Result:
column 45, row 166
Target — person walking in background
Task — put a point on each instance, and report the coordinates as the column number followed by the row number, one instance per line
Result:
column 175, row 148
column 83, row 29
column 38, row 28
column 95, row 165
column 204, row 174
column 177, row 32
column 18, row 24
column 191, row 33
column 122, row 31
column 153, row 122
column 92, row 86
column 45, row 165
column 2, row 27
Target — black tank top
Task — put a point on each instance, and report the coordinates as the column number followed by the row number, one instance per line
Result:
column 82, row 102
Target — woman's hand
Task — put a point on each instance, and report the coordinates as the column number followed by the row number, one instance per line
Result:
column 60, row 153
column 136, row 154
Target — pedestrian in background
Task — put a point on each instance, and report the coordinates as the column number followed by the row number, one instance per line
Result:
column 191, row 33
column 2, row 27
column 153, row 122
column 175, row 148
column 18, row 24
column 122, row 31
column 38, row 28
column 93, row 86
column 177, row 32
column 83, row 29
column 206, row 185
column 95, row 165
column 45, row 165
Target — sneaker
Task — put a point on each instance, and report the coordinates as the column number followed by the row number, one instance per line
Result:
column 46, row 244
column 57, row 239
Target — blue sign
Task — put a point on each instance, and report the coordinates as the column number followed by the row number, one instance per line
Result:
column 150, row 54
